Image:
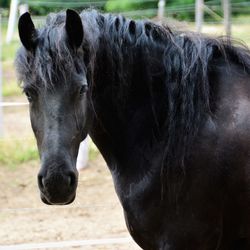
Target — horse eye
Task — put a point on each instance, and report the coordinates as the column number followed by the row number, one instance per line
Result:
column 28, row 95
column 83, row 89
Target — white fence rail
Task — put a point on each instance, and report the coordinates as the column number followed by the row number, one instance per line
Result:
column 66, row 244
column 13, row 104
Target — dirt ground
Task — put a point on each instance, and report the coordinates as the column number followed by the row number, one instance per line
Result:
column 95, row 214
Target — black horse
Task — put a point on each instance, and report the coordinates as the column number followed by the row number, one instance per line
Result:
column 169, row 111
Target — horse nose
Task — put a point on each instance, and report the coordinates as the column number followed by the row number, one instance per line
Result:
column 67, row 180
column 58, row 187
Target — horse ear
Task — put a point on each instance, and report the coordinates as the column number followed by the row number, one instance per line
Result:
column 74, row 28
column 27, row 31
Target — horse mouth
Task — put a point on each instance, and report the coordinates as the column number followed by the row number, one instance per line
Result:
column 47, row 201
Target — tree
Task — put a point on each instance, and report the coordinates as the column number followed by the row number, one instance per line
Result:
column 4, row 3
column 127, row 5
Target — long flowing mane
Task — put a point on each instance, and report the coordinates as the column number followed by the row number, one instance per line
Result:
column 171, row 68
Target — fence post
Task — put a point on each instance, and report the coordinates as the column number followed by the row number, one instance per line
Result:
column 1, row 80
column 199, row 10
column 227, row 16
column 161, row 9
column 23, row 8
column 12, row 20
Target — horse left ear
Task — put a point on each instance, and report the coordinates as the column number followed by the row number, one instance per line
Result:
column 74, row 28
column 27, row 32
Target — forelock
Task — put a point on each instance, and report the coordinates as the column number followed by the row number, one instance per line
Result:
column 53, row 59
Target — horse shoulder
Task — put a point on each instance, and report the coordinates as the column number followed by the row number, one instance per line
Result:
column 227, row 139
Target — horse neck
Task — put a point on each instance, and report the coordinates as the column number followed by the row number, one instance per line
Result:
column 122, row 109
column 130, row 95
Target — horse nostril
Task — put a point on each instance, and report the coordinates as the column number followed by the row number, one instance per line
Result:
column 72, row 179
column 40, row 181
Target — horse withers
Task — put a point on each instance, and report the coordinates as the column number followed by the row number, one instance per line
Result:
column 168, row 110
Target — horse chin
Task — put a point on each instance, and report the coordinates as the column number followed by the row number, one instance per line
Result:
column 48, row 202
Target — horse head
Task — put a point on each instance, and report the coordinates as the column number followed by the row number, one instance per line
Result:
column 51, row 68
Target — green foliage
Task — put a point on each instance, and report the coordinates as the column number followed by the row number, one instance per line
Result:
column 181, row 9
column 180, row 2
column 4, row 3
column 42, row 10
column 127, row 5
column 43, row 7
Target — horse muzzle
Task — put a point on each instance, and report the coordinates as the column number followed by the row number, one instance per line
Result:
column 57, row 187
column 50, row 201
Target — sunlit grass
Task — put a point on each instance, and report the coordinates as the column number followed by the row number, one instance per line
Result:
column 93, row 151
column 238, row 31
column 15, row 151
column 11, row 89
column 9, row 50
column 10, row 86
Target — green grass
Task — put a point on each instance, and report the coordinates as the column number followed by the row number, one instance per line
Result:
column 14, row 152
column 93, row 151
column 9, row 50
column 10, row 86
column 11, row 89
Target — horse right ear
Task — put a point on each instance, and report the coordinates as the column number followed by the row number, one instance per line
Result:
column 74, row 28
column 27, row 32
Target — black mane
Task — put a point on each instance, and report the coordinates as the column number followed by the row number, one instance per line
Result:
column 170, row 62
column 176, row 63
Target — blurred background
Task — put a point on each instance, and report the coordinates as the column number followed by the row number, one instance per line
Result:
column 96, row 213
